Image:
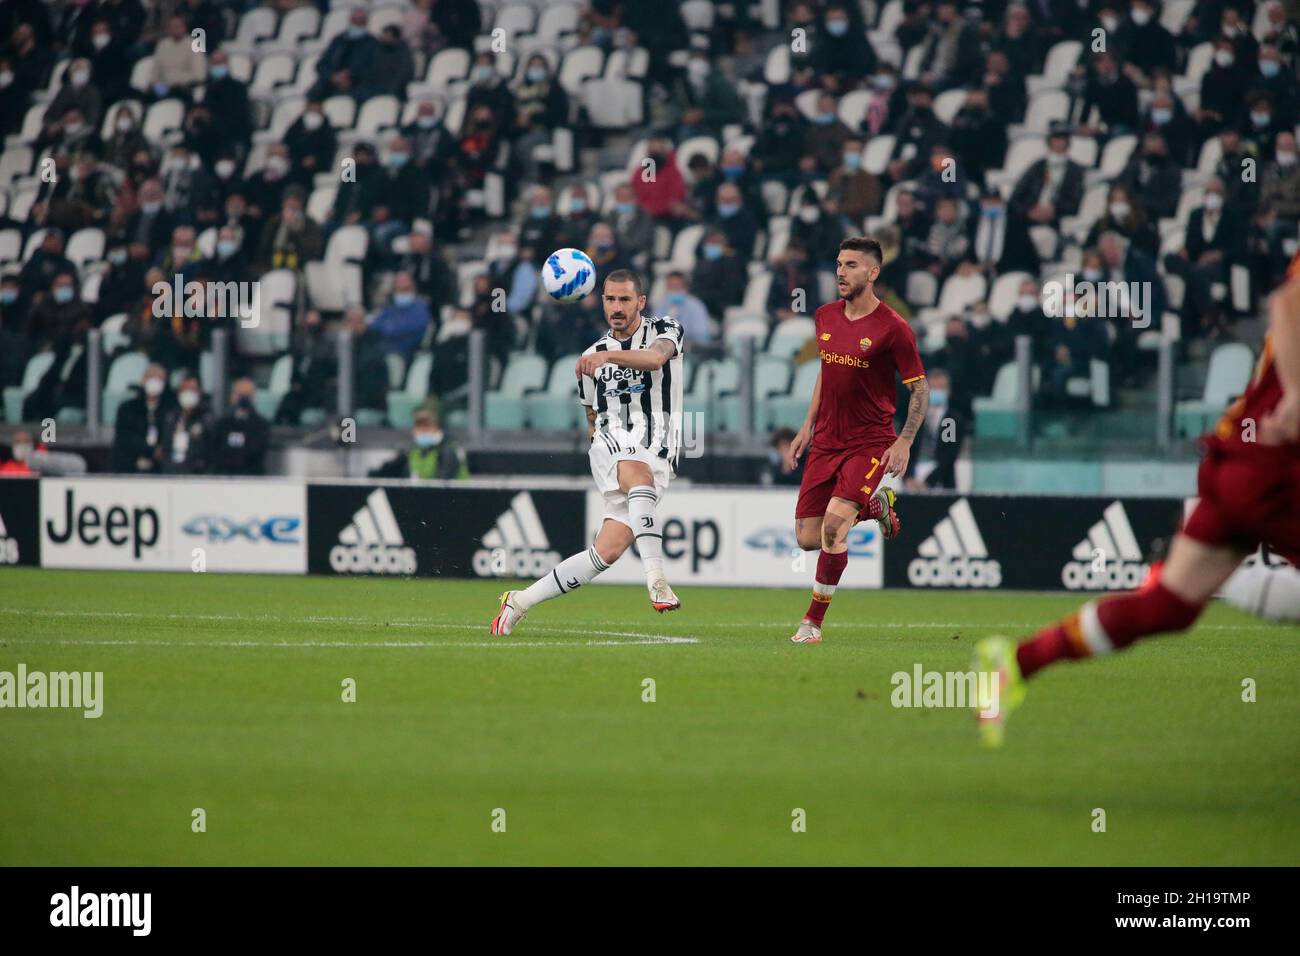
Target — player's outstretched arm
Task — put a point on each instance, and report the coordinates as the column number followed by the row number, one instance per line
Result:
column 1282, row 424
column 801, row 440
column 897, row 454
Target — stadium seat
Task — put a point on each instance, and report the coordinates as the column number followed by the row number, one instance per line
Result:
column 959, row 291
column 507, row 405
column 624, row 64
column 698, row 15
column 33, row 120
column 1229, row 373
column 789, row 336
column 15, row 395
column 1094, row 387
column 1002, row 297
column 112, row 337
column 255, row 26
column 996, row 415
column 163, row 117
column 268, row 399
column 123, row 375
column 1061, row 60
column 403, row 403
column 274, row 70
column 712, row 394
column 446, row 66
column 287, row 109
column 514, row 19
column 273, row 308
column 85, row 246
column 11, row 245
column 341, row 111
column 790, row 409
column 612, row 104
column 15, row 163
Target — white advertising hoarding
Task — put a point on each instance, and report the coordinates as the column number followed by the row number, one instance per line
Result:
column 742, row 538
column 149, row 523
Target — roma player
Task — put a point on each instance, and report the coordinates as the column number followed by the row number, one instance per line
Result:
column 1249, row 486
column 849, row 429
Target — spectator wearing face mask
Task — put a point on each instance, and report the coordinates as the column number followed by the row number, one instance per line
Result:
column 125, row 139
column 1278, row 83
column 227, row 100
column 241, row 436
column 177, row 66
column 780, row 144
column 14, row 457
column 735, row 221
column 110, row 67
column 916, row 132
column 228, row 262
column 187, row 432
column 859, row 191
column 979, row 137
column 1279, row 184
column 188, row 188
column 1260, row 125
column 819, row 228
column 793, row 283
column 1223, row 87
column 400, row 327
column 432, row 144
column 46, row 263
column 541, row 106
column 1215, row 241
column 487, row 89
column 687, row 309
column 1026, row 318
column 425, row 261
column 123, row 281
column 432, row 454
column 1167, row 118
column 602, row 247
column 265, row 188
column 828, row 134
column 76, row 93
column 509, row 269
column 720, row 275
column 579, row 219
column 541, row 228
column 1151, row 47
column 1052, row 187
column 939, row 442
column 85, row 196
column 403, row 198
column 138, row 429
column 348, row 64
column 1000, row 240
column 632, row 225
column 1125, row 216
column 15, row 97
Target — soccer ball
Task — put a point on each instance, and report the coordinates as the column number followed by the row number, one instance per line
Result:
column 569, row 275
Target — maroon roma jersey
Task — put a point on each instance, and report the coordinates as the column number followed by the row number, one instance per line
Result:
column 859, row 359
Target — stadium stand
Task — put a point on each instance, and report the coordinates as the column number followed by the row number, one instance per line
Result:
column 334, row 151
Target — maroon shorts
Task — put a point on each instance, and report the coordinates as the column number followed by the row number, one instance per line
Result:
column 853, row 474
column 1246, row 499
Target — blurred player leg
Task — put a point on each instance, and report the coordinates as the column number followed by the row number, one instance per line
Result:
column 574, row 571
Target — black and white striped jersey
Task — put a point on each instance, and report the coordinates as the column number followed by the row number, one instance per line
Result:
column 641, row 408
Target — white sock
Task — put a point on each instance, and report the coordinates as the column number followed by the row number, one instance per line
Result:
column 641, row 502
column 573, row 572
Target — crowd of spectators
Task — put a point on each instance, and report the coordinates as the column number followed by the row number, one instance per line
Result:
column 936, row 202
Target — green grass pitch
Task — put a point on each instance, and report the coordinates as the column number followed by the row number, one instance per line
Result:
column 225, row 693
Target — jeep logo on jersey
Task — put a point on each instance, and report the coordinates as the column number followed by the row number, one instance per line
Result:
column 372, row 543
column 1110, row 544
column 516, row 546
column 954, row 556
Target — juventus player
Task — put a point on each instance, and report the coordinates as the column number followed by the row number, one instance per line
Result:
column 631, row 384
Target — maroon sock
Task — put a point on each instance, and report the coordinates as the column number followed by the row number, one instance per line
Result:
column 829, row 568
column 1112, row 623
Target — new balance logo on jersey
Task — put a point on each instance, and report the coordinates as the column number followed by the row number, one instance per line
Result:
column 1109, row 558
column 516, row 546
column 8, row 546
column 373, row 543
column 954, row 555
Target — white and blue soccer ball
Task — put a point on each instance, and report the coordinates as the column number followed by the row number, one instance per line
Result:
column 569, row 275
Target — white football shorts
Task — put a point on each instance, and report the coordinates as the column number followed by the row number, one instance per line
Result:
column 605, row 454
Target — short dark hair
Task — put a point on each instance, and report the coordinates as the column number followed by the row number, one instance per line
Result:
column 864, row 244
column 626, row 275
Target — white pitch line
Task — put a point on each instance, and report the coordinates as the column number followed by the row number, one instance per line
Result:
column 419, row 622
column 505, row 642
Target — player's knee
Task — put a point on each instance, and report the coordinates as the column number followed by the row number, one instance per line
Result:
column 809, row 537
column 834, row 529
column 611, row 551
